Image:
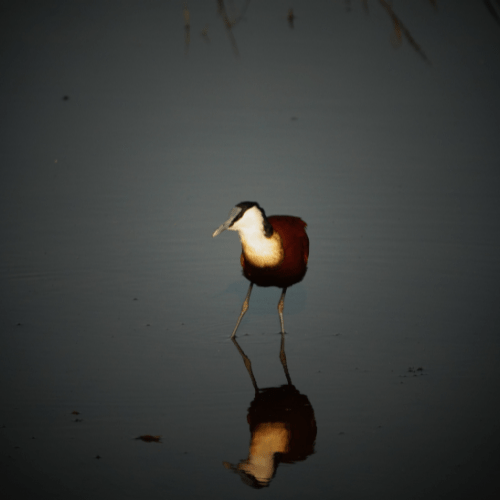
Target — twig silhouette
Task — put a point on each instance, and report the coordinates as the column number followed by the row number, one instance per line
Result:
column 492, row 10
column 404, row 30
column 229, row 22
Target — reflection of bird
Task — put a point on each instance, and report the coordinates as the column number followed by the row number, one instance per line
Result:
column 282, row 427
column 275, row 250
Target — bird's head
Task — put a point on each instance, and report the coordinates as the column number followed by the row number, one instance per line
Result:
column 247, row 217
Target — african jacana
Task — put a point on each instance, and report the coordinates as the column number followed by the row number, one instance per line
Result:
column 275, row 250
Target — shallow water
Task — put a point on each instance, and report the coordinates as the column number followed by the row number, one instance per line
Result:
column 118, row 305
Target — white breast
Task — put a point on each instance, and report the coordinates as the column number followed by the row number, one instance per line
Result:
column 259, row 250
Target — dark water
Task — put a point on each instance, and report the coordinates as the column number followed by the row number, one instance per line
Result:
column 126, row 140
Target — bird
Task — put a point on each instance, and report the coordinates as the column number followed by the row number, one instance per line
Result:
column 275, row 250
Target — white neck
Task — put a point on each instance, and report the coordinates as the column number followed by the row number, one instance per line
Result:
column 258, row 249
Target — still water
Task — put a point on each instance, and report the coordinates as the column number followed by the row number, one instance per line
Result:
column 129, row 132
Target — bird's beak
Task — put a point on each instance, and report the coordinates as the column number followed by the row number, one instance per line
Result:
column 232, row 215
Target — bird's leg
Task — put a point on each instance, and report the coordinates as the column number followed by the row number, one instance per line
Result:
column 283, row 359
column 244, row 309
column 248, row 364
column 281, row 306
